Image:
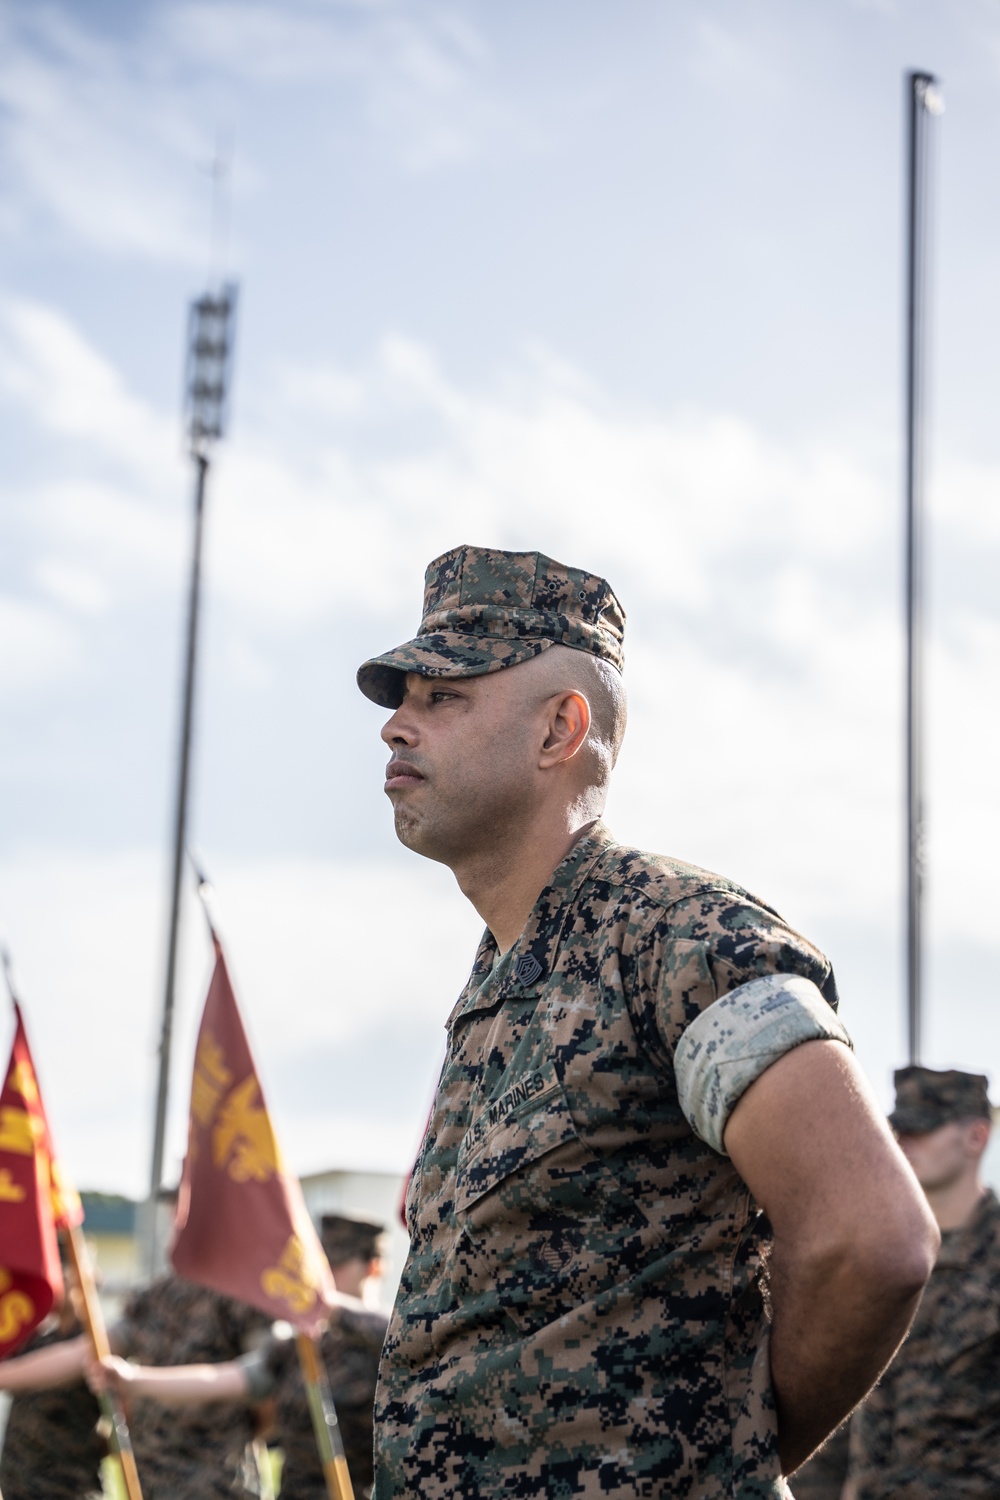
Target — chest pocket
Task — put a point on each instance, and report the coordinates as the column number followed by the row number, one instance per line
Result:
column 511, row 1132
column 549, row 1225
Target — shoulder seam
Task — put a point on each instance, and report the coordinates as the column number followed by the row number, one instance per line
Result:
column 665, row 902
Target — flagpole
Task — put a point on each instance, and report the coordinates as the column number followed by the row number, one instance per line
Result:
column 924, row 101
column 206, row 895
column 111, row 1405
column 324, row 1419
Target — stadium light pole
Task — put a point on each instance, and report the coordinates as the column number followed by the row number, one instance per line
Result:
column 923, row 102
column 209, row 360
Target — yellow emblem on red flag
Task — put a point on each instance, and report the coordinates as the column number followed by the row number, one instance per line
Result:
column 35, row 1201
column 242, row 1224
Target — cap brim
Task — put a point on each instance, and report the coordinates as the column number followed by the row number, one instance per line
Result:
column 450, row 653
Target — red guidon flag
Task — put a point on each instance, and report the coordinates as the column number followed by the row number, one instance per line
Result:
column 35, row 1201
column 242, row 1224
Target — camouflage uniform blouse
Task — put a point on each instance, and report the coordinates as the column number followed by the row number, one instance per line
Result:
column 581, row 1312
column 931, row 1427
column 51, row 1448
column 188, row 1452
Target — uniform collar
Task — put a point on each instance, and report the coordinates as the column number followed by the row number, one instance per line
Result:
column 528, row 965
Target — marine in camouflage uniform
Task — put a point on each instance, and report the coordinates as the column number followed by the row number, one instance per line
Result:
column 191, row 1452
column 931, row 1427
column 51, row 1447
column 583, row 1307
column 350, row 1347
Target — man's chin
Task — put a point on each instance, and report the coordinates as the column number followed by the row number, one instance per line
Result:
column 414, row 834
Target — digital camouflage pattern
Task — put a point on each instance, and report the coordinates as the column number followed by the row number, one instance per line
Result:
column 485, row 609
column 51, row 1448
column 927, row 1098
column 188, row 1452
column 931, row 1427
column 350, row 1348
column 582, row 1311
column 822, row 1478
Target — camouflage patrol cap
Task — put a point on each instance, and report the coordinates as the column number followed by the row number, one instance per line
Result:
column 926, row 1099
column 345, row 1238
column 485, row 609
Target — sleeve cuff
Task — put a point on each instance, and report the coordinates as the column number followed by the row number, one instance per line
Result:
column 732, row 1042
column 259, row 1375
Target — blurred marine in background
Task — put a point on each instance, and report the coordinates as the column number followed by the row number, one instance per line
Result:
column 200, row 1454
column 593, row 1303
column 931, row 1428
column 51, row 1446
column 268, row 1379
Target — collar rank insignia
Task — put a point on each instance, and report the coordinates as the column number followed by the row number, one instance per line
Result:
column 527, row 969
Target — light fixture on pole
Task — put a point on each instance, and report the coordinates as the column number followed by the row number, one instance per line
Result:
column 209, row 361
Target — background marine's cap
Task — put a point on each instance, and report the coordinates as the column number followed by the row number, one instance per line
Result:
column 346, row 1239
column 485, row 609
column 926, row 1099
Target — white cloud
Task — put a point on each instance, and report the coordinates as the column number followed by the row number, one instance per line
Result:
column 93, row 140
column 111, row 139
column 72, row 586
column 36, row 645
column 963, row 496
column 72, row 390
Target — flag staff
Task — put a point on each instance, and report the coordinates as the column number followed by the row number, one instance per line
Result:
column 111, row 1405
column 93, row 1317
column 324, row 1420
column 923, row 101
column 210, row 340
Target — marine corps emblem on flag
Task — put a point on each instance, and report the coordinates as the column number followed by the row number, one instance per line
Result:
column 35, row 1201
column 242, row 1224
column 243, row 1141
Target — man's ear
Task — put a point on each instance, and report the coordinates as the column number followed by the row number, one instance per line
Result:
column 978, row 1136
column 569, row 725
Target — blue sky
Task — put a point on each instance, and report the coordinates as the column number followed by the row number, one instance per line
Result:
column 620, row 282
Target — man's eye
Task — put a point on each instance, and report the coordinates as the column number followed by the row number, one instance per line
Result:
column 440, row 695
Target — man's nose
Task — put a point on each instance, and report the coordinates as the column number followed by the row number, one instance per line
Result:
column 400, row 729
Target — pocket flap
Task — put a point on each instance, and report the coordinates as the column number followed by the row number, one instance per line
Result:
column 526, row 1121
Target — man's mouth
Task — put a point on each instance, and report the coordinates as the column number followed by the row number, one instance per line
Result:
column 399, row 775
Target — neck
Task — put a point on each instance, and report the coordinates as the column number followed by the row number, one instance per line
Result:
column 953, row 1206
column 503, row 883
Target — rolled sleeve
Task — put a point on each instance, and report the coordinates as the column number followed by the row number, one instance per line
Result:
column 260, row 1376
column 733, row 1041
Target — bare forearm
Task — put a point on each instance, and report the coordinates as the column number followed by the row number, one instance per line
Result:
column 836, row 1325
column 187, row 1384
column 42, row 1369
column 854, row 1240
